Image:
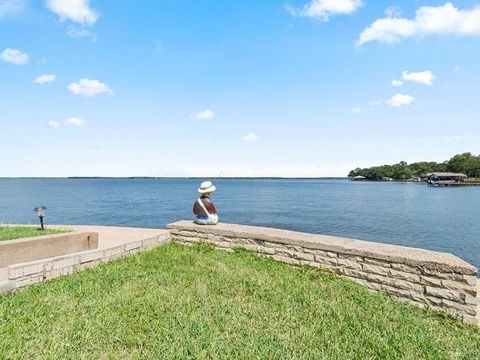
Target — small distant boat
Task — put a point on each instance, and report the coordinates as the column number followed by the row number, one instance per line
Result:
column 359, row 178
column 386, row 178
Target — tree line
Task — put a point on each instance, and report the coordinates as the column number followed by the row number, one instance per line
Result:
column 461, row 163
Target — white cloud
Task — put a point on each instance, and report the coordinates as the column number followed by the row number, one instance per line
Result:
column 75, row 33
column 88, row 87
column 14, row 56
column 457, row 69
column 324, row 9
column 393, row 11
column 429, row 20
column 75, row 122
column 397, row 83
column 389, row 30
column 204, row 115
column 399, row 100
column 78, row 11
column 356, row 110
column 422, row 77
column 43, row 79
column 54, row 124
column 12, row 7
column 250, row 137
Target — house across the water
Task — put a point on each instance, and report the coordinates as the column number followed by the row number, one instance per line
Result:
column 359, row 178
column 446, row 179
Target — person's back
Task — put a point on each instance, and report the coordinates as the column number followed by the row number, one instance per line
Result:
column 204, row 208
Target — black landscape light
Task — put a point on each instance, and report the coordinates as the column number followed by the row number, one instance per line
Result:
column 40, row 212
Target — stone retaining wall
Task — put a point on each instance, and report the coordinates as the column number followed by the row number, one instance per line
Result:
column 20, row 275
column 428, row 279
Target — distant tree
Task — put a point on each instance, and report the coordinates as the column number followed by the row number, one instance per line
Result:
column 355, row 172
column 459, row 163
column 440, row 167
column 422, row 168
column 374, row 173
column 473, row 167
column 387, row 171
column 401, row 171
column 464, row 163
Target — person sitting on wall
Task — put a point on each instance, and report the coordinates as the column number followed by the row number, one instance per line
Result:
column 204, row 208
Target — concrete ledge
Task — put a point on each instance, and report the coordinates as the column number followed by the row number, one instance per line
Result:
column 429, row 279
column 435, row 261
column 42, row 247
column 31, row 272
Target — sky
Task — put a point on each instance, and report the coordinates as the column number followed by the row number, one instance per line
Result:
column 293, row 88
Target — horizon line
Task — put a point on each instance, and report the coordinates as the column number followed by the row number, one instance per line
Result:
column 173, row 177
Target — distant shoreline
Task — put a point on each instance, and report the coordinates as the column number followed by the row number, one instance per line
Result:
column 178, row 177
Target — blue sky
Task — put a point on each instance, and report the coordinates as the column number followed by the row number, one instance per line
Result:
column 237, row 88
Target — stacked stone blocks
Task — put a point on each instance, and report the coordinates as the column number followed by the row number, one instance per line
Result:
column 437, row 281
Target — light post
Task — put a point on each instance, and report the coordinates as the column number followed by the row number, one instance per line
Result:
column 40, row 212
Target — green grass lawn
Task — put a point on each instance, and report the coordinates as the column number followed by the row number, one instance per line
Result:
column 200, row 303
column 18, row 232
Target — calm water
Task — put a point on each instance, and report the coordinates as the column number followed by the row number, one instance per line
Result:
column 405, row 214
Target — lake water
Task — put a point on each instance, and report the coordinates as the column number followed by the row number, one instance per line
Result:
column 441, row 219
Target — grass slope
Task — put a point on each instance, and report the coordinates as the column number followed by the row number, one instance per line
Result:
column 18, row 232
column 196, row 302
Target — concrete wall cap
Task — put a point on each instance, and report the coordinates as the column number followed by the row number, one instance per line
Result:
column 424, row 259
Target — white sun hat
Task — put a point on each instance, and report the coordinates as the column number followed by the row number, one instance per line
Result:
column 206, row 187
